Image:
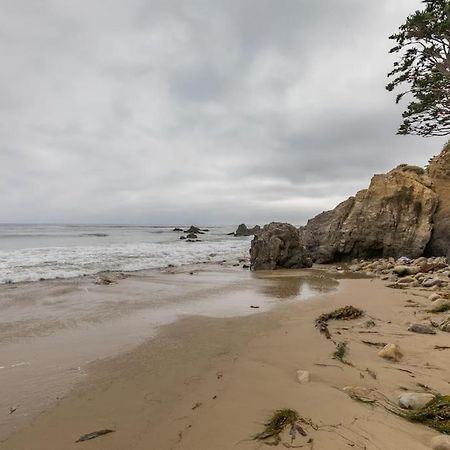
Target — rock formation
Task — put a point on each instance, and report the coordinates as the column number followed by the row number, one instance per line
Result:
column 278, row 245
column 439, row 172
column 243, row 230
column 393, row 217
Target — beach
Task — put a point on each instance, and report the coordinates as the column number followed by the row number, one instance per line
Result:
column 211, row 380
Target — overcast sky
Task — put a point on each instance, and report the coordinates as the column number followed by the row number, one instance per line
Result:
column 214, row 111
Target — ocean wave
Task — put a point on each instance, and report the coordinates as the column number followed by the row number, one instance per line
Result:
column 32, row 264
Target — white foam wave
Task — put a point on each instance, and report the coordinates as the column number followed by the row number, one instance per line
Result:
column 32, row 264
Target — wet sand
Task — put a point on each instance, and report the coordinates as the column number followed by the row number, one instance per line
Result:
column 50, row 331
column 210, row 383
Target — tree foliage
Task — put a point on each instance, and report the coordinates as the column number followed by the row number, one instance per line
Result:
column 423, row 70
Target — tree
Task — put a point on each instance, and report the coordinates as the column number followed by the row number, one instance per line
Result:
column 423, row 70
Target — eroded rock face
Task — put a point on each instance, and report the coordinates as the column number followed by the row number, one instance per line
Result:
column 278, row 245
column 392, row 218
column 439, row 173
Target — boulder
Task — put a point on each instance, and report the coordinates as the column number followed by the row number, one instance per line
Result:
column 278, row 245
column 392, row 218
column 414, row 400
column 243, row 230
column 192, row 236
column 177, row 229
column 439, row 172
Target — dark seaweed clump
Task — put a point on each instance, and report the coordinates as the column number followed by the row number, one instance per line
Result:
column 345, row 313
column 436, row 414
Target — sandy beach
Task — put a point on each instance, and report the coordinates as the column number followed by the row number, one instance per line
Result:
column 211, row 382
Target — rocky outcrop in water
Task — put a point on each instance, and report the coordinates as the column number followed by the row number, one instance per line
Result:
column 439, row 173
column 392, row 218
column 243, row 230
column 278, row 245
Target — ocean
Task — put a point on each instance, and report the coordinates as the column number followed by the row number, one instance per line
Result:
column 36, row 252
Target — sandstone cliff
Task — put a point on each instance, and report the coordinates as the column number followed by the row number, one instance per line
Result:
column 439, row 172
column 393, row 217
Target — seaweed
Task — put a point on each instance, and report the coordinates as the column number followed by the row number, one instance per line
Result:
column 345, row 313
column 341, row 351
column 93, row 435
column 280, row 420
column 436, row 414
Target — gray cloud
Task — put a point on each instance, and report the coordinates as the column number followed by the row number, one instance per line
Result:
column 214, row 111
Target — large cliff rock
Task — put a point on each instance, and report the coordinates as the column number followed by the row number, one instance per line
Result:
column 278, row 245
column 439, row 172
column 393, row 217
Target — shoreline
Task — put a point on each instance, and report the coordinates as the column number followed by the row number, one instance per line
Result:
column 211, row 382
column 52, row 330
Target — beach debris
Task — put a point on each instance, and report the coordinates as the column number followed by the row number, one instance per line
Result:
column 103, row 280
column 441, row 347
column 436, row 414
column 281, row 420
column 371, row 373
column 375, row 344
column 303, row 376
column 440, row 443
column 345, row 313
column 197, row 405
column 254, row 307
column 360, row 394
column 219, row 375
column 421, row 328
column 94, row 434
column 414, row 400
column 340, row 352
column 12, row 410
column 391, row 351
column 369, row 323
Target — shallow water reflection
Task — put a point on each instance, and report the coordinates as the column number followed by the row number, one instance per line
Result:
column 287, row 284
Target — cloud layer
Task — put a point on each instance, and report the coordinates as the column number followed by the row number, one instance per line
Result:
column 213, row 111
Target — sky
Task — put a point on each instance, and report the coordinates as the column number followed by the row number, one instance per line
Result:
column 206, row 112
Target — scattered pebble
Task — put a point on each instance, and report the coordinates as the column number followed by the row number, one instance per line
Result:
column 303, row 376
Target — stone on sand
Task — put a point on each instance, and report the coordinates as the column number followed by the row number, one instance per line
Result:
column 440, row 443
column 303, row 376
column 439, row 305
column 391, row 351
column 414, row 400
column 421, row 328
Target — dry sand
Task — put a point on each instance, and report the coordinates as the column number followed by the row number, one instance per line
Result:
column 206, row 383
